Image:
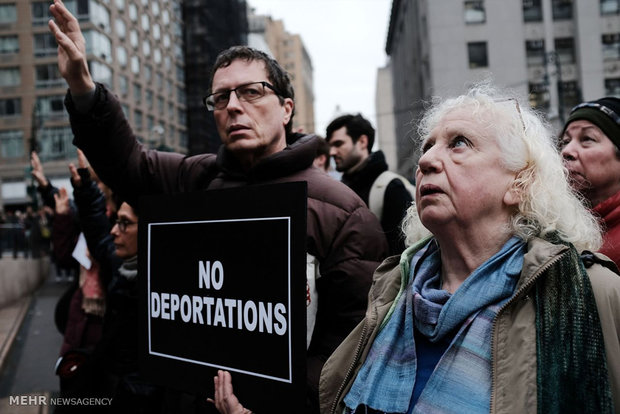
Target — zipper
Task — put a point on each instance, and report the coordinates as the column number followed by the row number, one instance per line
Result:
column 522, row 289
column 356, row 357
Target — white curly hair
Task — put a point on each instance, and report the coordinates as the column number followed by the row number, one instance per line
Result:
column 529, row 149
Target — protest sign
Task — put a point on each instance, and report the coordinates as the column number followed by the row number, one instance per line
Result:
column 225, row 288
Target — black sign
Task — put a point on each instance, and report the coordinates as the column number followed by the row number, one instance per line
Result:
column 225, row 288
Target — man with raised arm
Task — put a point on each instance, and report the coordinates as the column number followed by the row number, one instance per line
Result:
column 252, row 100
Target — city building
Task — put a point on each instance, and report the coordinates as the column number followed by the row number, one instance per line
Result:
column 210, row 27
column 288, row 49
column 557, row 52
column 134, row 46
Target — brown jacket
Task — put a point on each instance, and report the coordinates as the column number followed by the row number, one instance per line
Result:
column 514, row 335
column 342, row 233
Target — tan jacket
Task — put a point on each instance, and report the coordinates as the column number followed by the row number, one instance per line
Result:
column 513, row 342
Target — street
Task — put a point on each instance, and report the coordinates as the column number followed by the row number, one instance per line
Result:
column 29, row 369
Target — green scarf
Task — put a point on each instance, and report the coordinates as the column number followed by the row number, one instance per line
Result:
column 572, row 372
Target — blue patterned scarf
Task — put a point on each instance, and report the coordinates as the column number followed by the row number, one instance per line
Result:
column 461, row 381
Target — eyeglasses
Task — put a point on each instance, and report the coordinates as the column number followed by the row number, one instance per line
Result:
column 247, row 92
column 610, row 113
column 122, row 224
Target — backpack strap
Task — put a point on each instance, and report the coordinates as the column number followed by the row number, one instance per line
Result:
column 377, row 191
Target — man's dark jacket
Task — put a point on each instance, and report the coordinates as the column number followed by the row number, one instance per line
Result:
column 396, row 199
column 342, row 233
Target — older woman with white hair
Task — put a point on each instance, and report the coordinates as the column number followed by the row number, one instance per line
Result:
column 495, row 311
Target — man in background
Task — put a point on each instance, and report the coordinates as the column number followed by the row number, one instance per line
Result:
column 351, row 138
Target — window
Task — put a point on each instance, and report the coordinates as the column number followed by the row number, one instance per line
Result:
column 166, row 40
column 48, row 76
column 135, row 64
column 10, row 77
column 121, row 56
column 183, row 139
column 51, row 106
column 98, row 44
column 120, row 4
column 181, row 116
column 539, row 96
column 562, row 9
column 181, row 96
column 133, row 12
column 180, row 74
column 8, row 13
column 565, row 49
column 160, row 105
column 45, row 45
column 477, row 52
column 474, row 12
column 40, row 13
column 149, row 99
column 156, row 32
column 610, row 7
column 137, row 119
column 123, row 86
column 148, row 73
column 570, row 94
column 125, row 109
column 146, row 48
column 159, row 80
column 10, row 107
column 133, row 39
column 171, row 111
column 155, row 8
column 55, row 143
column 137, row 93
column 611, row 46
column 120, row 28
column 9, row 45
column 165, row 17
column 535, row 52
column 157, row 55
column 150, row 123
column 101, row 72
column 612, row 87
column 12, row 144
column 532, row 11
column 146, row 24
column 79, row 8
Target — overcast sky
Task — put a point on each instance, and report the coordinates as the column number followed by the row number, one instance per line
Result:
column 346, row 41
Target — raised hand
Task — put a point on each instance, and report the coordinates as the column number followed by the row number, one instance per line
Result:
column 72, row 61
column 62, row 201
column 82, row 163
column 37, row 169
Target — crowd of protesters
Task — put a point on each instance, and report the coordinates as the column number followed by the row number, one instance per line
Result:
column 498, row 304
column 25, row 233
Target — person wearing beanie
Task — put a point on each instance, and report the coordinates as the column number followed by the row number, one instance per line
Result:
column 590, row 146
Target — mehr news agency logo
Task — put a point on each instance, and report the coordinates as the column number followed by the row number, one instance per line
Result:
column 33, row 399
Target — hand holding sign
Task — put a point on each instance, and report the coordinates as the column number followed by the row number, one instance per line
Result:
column 225, row 400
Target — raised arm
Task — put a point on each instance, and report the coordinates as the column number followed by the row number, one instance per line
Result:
column 72, row 61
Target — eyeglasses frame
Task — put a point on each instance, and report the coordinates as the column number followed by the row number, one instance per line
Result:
column 229, row 91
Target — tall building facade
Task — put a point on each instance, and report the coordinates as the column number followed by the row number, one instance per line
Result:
column 288, row 49
column 135, row 47
column 557, row 52
column 210, row 27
